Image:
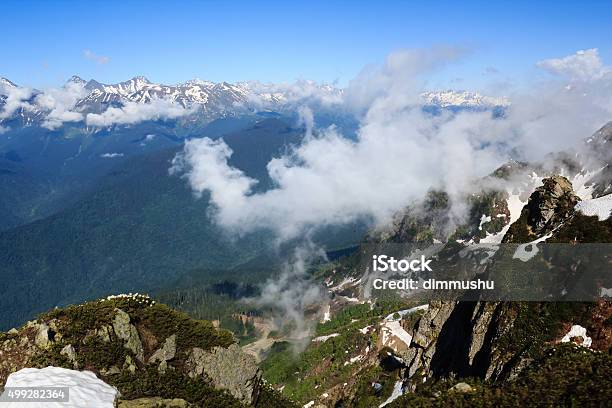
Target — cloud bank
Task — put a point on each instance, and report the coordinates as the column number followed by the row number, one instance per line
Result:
column 583, row 65
column 59, row 104
column 401, row 152
column 16, row 98
column 134, row 112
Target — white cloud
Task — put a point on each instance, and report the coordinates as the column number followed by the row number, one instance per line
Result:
column 399, row 155
column 300, row 92
column 583, row 65
column 16, row 98
column 134, row 112
column 59, row 102
column 399, row 81
column 98, row 59
column 4, row 129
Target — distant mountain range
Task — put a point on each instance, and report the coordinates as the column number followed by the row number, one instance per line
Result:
column 205, row 100
column 467, row 99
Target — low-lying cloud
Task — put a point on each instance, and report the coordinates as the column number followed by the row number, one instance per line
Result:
column 59, row 104
column 16, row 98
column 134, row 112
column 400, row 153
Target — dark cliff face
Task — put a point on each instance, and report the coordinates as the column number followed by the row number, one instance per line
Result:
column 497, row 340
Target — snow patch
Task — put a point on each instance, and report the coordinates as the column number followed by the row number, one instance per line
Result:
column 398, row 391
column 515, row 206
column 325, row 338
column 392, row 331
column 327, row 315
column 523, row 254
column 579, row 182
column 483, row 220
column 405, row 312
column 111, row 155
column 601, row 207
column 85, row 389
column 578, row 331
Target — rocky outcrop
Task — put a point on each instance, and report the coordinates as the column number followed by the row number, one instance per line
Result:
column 42, row 339
column 549, row 205
column 70, row 354
column 116, row 338
column 458, row 339
column 128, row 333
column 165, row 353
column 228, row 368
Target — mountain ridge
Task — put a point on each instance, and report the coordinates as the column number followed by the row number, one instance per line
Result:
column 80, row 97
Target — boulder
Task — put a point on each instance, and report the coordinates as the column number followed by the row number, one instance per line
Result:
column 42, row 335
column 128, row 333
column 228, row 368
column 461, row 387
column 70, row 353
column 166, row 352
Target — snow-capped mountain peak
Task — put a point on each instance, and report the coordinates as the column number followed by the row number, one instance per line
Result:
column 75, row 79
column 450, row 98
column 5, row 83
column 197, row 82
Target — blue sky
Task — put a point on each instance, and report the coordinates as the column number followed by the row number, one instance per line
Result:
column 169, row 42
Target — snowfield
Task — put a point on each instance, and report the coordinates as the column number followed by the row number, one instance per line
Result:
column 393, row 331
column 515, row 206
column 601, row 207
column 85, row 389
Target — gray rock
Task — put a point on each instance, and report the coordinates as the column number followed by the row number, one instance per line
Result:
column 166, row 352
column 42, row 335
column 462, row 387
column 129, row 365
column 128, row 333
column 104, row 333
column 110, row 370
column 70, row 353
column 228, row 368
column 548, row 207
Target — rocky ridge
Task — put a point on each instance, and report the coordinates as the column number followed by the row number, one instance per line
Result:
column 503, row 349
column 142, row 348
